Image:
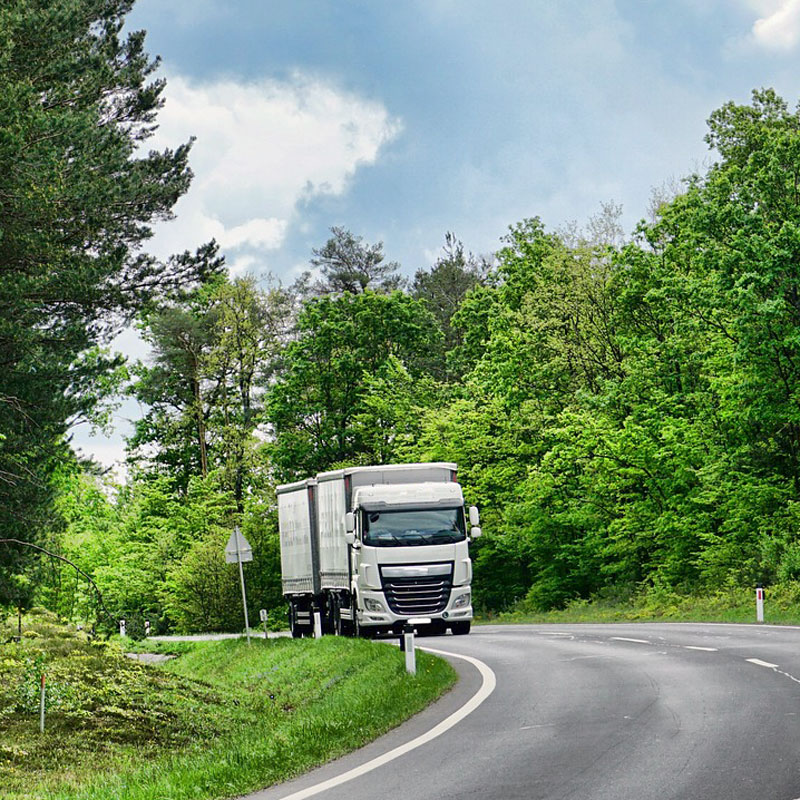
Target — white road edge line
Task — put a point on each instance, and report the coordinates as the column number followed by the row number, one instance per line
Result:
column 760, row 663
column 486, row 688
column 626, row 639
column 705, row 649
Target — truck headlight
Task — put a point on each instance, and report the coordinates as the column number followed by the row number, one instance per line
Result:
column 372, row 605
column 462, row 600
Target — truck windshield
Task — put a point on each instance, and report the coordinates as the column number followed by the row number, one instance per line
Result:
column 412, row 527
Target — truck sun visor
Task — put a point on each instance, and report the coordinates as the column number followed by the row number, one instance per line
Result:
column 382, row 505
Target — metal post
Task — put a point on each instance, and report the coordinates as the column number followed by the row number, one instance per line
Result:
column 759, row 603
column 244, row 600
column 408, row 646
column 238, row 549
column 263, row 613
column 41, row 707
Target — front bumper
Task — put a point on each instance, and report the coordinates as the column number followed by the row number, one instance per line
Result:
column 386, row 618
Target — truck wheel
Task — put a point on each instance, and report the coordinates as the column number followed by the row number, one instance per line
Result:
column 338, row 628
column 460, row 628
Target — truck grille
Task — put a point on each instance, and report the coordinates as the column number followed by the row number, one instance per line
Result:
column 418, row 595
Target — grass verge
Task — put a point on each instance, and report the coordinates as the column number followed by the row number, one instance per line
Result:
column 221, row 719
column 732, row 604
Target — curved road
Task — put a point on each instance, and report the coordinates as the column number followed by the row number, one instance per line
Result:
column 599, row 712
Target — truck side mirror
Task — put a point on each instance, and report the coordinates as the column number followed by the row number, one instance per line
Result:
column 350, row 528
column 474, row 516
column 475, row 532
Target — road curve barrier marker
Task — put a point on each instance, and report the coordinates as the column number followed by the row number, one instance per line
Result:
column 487, row 687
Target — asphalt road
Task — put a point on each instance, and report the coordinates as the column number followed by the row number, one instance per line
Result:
column 600, row 712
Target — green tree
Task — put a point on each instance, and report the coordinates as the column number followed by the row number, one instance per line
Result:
column 79, row 196
column 442, row 288
column 348, row 264
column 251, row 327
column 321, row 389
column 213, row 355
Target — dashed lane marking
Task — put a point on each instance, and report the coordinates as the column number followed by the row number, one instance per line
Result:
column 626, row 639
column 758, row 662
column 704, row 649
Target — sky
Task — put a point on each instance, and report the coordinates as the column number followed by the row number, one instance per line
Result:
column 402, row 120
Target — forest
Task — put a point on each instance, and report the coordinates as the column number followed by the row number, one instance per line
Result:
column 623, row 408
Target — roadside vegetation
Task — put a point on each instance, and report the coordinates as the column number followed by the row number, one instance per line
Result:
column 729, row 604
column 622, row 406
column 219, row 720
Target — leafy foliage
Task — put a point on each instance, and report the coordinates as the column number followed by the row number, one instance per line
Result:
column 648, row 391
column 341, row 342
column 625, row 412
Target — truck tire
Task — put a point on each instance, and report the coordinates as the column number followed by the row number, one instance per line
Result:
column 460, row 628
column 296, row 630
column 338, row 627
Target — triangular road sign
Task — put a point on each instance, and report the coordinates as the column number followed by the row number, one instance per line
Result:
column 238, row 548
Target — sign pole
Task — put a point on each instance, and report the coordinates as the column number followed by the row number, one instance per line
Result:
column 41, row 706
column 241, row 578
column 238, row 550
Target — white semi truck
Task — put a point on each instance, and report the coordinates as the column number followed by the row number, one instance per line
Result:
column 370, row 548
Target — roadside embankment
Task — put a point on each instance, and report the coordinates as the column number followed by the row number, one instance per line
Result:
column 221, row 719
column 656, row 604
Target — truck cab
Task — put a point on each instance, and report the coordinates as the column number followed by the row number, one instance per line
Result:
column 409, row 557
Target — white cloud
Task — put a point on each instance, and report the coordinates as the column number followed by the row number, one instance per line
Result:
column 779, row 27
column 261, row 148
column 267, row 233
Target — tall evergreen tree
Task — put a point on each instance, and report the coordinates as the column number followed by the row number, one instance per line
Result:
column 77, row 200
column 347, row 264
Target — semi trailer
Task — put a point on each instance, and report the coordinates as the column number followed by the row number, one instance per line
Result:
column 369, row 549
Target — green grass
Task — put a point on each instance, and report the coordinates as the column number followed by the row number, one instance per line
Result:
column 222, row 719
column 732, row 604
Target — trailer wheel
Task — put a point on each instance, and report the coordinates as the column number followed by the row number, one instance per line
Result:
column 338, row 628
column 460, row 628
column 297, row 630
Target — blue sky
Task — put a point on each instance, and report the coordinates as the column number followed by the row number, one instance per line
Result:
column 403, row 120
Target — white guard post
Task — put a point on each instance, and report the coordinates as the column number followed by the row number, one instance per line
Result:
column 411, row 653
column 407, row 642
column 122, row 627
column 317, row 625
column 759, row 603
